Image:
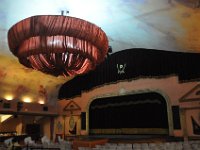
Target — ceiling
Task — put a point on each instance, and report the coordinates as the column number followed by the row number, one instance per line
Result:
column 157, row 24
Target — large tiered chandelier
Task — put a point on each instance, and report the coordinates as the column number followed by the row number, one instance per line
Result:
column 58, row 45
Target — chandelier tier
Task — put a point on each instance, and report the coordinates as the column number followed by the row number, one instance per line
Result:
column 58, row 45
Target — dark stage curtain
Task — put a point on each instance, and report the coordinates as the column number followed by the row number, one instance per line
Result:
column 132, row 64
column 146, row 110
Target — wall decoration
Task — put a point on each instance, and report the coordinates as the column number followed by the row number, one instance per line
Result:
column 42, row 93
column 72, row 125
column 196, row 126
column 17, row 80
column 73, row 131
column 72, row 106
column 121, row 68
column 71, row 122
column 20, row 90
column 59, row 126
column 191, row 95
column 2, row 74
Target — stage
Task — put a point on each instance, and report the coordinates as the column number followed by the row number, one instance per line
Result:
column 92, row 140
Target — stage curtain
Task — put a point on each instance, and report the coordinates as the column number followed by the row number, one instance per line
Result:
column 136, row 63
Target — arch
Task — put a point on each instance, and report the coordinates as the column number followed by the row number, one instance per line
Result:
column 132, row 128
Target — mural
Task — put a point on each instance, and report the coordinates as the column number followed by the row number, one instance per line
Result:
column 72, row 125
column 19, row 82
column 20, row 90
column 156, row 24
column 59, row 127
column 42, row 93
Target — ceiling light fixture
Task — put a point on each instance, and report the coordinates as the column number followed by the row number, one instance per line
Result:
column 27, row 100
column 9, row 97
column 41, row 101
column 58, row 45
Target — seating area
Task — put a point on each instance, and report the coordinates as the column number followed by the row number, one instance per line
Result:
column 51, row 146
column 183, row 145
column 61, row 144
column 29, row 144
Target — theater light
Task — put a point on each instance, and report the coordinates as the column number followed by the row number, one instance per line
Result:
column 27, row 100
column 9, row 97
column 41, row 102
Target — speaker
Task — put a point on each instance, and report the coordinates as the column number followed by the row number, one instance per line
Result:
column 83, row 120
column 45, row 108
column 176, row 117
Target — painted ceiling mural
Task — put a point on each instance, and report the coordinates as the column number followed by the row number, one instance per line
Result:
column 156, row 24
column 20, row 82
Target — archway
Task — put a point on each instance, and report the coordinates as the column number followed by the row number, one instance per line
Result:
column 143, row 113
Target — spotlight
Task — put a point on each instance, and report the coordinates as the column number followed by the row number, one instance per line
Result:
column 62, row 12
column 110, row 49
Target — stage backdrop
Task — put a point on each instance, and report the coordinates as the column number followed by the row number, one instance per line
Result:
column 144, row 113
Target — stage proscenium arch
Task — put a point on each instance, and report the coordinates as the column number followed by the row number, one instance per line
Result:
column 142, row 113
